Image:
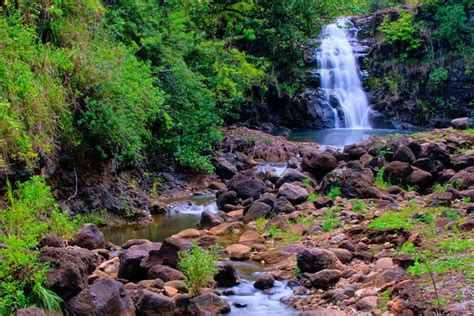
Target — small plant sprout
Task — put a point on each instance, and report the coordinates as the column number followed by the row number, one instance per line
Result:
column 334, row 192
column 199, row 267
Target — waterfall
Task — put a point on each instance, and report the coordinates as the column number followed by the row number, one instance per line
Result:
column 339, row 75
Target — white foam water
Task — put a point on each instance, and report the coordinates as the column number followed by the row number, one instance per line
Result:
column 339, row 74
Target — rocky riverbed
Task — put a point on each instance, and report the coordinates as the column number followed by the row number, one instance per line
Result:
column 380, row 228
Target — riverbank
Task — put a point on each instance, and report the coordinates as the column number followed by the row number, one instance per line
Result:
column 380, row 227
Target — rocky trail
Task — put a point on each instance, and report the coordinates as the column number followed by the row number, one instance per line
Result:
column 380, row 228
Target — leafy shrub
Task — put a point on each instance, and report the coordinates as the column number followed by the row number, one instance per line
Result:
column 358, row 205
column 401, row 33
column 453, row 24
column 32, row 100
column 31, row 214
column 334, row 192
column 438, row 78
column 198, row 266
column 379, row 180
column 391, row 220
column 121, row 101
column 331, row 220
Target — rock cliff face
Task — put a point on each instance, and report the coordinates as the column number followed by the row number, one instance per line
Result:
column 400, row 90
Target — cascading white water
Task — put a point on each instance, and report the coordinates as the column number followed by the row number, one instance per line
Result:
column 340, row 75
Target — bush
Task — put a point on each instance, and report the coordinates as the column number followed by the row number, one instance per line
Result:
column 31, row 214
column 198, row 266
column 331, row 220
column 453, row 24
column 120, row 101
column 32, row 99
column 390, row 220
column 438, row 77
column 402, row 34
column 334, row 192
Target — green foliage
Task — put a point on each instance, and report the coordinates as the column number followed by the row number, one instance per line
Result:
column 198, row 266
column 312, row 197
column 379, row 180
column 331, row 219
column 32, row 100
column 297, row 270
column 121, row 102
column 334, row 192
column 390, row 220
column 438, row 187
column 31, row 214
column 453, row 24
column 358, row 205
column 401, row 33
column 438, row 77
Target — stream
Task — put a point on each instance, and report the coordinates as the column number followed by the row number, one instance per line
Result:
column 185, row 213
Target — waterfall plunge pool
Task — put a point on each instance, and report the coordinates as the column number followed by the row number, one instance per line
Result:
column 343, row 136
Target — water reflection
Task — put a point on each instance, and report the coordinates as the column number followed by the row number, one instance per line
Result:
column 181, row 214
column 342, row 136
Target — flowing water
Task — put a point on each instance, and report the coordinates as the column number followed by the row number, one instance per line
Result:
column 247, row 300
column 185, row 213
column 339, row 74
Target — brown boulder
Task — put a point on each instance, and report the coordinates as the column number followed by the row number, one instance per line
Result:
column 70, row 268
column 208, row 304
column 227, row 275
column 131, row 258
column 154, row 304
column 102, row 298
column 318, row 163
column 88, row 236
column 317, row 259
column 165, row 273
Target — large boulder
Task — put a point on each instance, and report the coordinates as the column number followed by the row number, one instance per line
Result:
column 460, row 162
column 168, row 254
column 282, row 205
column 229, row 197
column 319, row 163
column 420, row 178
column 354, row 151
column 209, row 220
column 425, row 164
column 258, row 209
column 130, row 259
column 354, row 182
column 208, row 304
column 290, row 175
column 265, row 281
column 88, row 236
column 224, row 168
column 154, row 304
column 226, row 275
column 397, row 172
column 293, row 193
column 165, row 273
column 247, row 186
column 317, row 259
column 238, row 252
column 404, row 154
column 465, row 178
column 102, row 298
column 460, row 123
column 70, row 268
column 32, row 311
column 439, row 151
column 325, row 278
